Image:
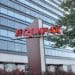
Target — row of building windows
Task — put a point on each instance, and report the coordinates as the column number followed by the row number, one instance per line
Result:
column 8, row 21
column 10, row 67
column 38, row 8
column 24, row 18
column 9, row 35
column 46, row 19
column 13, row 14
column 53, row 4
column 58, row 2
column 59, row 52
column 12, row 46
column 49, row 7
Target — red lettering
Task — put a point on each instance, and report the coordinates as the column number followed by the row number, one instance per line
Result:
column 43, row 30
column 27, row 32
column 55, row 29
column 18, row 32
column 37, row 31
column 58, row 29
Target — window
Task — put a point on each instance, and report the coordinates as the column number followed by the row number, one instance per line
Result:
column 27, row 11
column 50, row 20
column 3, row 44
column 16, row 15
column 10, row 67
column 57, row 2
column 1, row 67
column 4, row 11
column 11, row 46
column 10, row 13
column 21, row 67
column 17, row 47
column 38, row 8
column 69, row 67
column 53, row 4
column 11, row 34
column 50, row 7
column 20, row 47
column 7, row 33
column 23, row 48
column 3, row 32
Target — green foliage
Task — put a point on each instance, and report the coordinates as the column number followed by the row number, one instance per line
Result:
column 67, row 20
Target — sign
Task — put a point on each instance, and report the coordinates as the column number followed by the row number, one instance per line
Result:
column 31, row 32
column 35, row 46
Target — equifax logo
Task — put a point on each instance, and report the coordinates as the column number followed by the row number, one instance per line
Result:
column 31, row 32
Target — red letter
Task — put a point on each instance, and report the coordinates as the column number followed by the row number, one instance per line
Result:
column 58, row 29
column 18, row 32
column 54, row 29
column 27, row 32
column 43, row 30
column 35, row 31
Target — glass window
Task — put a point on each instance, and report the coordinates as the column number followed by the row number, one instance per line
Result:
column 21, row 67
column 10, row 67
column 24, row 18
column 11, row 46
column 56, row 52
column 17, row 47
column 50, row 20
column 69, row 67
column 27, row 11
column 51, row 8
column 20, row 47
column 23, row 48
column 16, row 15
column 3, row 10
column 38, row 8
column 3, row 32
column 19, row 16
column 28, row 19
column 10, row 23
column 46, row 42
column 53, row 4
column 11, row 34
column 1, row 67
column 57, row 2
column 10, row 13
column 3, row 44
column 7, row 33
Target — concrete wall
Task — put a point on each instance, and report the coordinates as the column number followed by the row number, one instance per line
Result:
column 13, row 58
column 60, row 61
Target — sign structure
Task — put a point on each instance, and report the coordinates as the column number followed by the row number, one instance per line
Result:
column 37, row 32
column 35, row 46
column 36, row 55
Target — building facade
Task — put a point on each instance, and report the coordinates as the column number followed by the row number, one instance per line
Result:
column 20, row 14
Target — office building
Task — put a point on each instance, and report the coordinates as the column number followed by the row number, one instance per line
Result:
column 16, row 14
